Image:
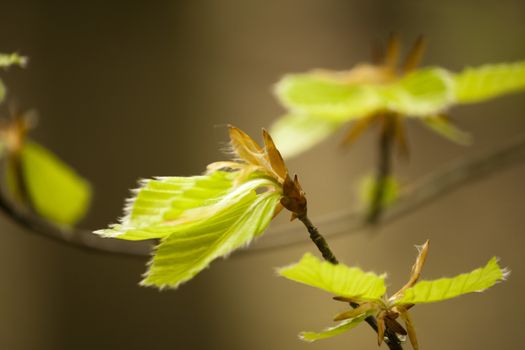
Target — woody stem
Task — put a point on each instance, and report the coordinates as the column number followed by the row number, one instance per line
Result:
column 319, row 240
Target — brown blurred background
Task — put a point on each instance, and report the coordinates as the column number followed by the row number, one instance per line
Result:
column 134, row 89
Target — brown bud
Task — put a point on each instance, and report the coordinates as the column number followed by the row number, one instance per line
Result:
column 293, row 197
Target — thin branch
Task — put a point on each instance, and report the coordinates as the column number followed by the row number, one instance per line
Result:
column 319, row 240
column 415, row 197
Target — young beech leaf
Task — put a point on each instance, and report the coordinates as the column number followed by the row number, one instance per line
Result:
column 341, row 280
column 318, row 95
column 447, row 288
column 325, row 100
column 202, row 218
column 365, row 292
column 56, row 191
column 333, row 331
column 199, row 219
column 419, row 93
column 160, row 202
column 191, row 248
column 488, row 81
column 422, row 92
column 297, row 133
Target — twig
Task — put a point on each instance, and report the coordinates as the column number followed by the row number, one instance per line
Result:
column 391, row 338
column 319, row 240
column 425, row 191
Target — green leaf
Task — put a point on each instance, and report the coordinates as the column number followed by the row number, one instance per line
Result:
column 488, row 81
column 198, row 218
column 445, row 128
column 317, row 95
column 191, row 247
column 447, row 288
column 56, row 191
column 367, row 189
column 423, row 92
column 333, row 331
column 294, row 134
column 161, row 201
column 341, row 280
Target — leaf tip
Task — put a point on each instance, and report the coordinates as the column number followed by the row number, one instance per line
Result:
column 306, row 337
column 505, row 271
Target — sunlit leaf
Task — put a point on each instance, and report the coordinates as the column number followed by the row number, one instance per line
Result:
column 446, row 288
column 321, row 101
column 332, row 331
column 161, row 202
column 341, row 280
column 488, row 81
column 198, row 218
column 56, row 191
column 423, row 92
column 294, row 134
column 317, row 95
column 201, row 218
column 192, row 246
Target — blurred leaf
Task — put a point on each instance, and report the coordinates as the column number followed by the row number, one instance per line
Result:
column 341, row 280
column 318, row 95
column 327, row 99
column 447, row 288
column 56, row 191
column 445, row 128
column 294, row 134
column 423, row 92
column 367, row 189
column 2, row 91
column 191, row 247
column 11, row 59
column 488, row 81
column 333, row 331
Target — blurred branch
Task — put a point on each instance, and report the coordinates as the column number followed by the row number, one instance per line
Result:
column 81, row 238
column 428, row 189
column 416, row 196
